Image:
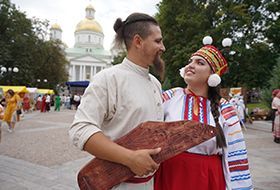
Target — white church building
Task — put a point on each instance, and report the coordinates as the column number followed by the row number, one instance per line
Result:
column 88, row 56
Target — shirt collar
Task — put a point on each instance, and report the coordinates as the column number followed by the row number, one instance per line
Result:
column 136, row 68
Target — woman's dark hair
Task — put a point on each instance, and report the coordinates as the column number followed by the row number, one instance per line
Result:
column 214, row 97
column 136, row 23
column 11, row 92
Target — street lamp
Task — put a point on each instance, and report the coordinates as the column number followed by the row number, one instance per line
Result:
column 10, row 69
column 5, row 72
column 42, row 82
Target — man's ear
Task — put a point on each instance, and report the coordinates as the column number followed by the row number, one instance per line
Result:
column 137, row 40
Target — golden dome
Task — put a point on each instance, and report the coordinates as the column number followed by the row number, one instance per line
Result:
column 89, row 24
column 55, row 26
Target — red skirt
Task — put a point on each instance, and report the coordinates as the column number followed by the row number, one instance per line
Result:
column 188, row 171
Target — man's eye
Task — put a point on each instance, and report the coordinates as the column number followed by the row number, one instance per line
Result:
column 158, row 41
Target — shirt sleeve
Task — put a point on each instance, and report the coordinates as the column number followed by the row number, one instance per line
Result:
column 95, row 107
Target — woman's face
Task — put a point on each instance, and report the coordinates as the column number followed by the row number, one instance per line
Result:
column 8, row 95
column 197, row 71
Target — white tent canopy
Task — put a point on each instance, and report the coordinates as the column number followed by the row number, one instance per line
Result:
column 32, row 90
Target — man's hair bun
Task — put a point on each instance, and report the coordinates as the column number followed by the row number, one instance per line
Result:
column 118, row 24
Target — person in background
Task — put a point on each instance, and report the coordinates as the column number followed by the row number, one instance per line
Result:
column 48, row 103
column 39, row 102
column 57, row 103
column 63, row 100
column 26, row 103
column 276, row 105
column 120, row 98
column 43, row 105
column 221, row 162
column 273, row 107
column 10, row 115
column 19, row 112
column 238, row 103
column 68, row 102
column 77, row 100
column 3, row 101
column 1, row 118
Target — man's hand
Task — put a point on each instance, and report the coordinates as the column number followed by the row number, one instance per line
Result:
column 141, row 162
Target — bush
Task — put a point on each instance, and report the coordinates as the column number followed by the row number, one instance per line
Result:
column 274, row 83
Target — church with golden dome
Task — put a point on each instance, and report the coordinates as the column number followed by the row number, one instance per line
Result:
column 88, row 55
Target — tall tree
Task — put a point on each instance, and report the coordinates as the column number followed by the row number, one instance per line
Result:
column 273, row 30
column 24, row 45
column 274, row 83
column 184, row 23
column 15, row 33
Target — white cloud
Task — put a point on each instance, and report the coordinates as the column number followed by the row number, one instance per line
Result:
column 67, row 13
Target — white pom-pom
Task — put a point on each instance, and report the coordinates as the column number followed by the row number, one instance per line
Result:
column 207, row 40
column 182, row 72
column 214, row 80
column 227, row 42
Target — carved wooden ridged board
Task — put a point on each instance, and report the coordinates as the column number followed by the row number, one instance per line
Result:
column 172, row 137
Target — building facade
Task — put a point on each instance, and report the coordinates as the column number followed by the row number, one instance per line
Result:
column 88, row 55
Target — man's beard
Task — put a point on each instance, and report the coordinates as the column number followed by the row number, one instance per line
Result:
column 159, row 67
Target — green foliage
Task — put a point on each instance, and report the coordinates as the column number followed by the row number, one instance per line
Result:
column 273, row 32
column 249, row 23
column 118, row 58
column 274, row 83
column 24, row 45
column 166, row 84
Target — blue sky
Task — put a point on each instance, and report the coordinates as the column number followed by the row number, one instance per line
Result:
column 67, row 13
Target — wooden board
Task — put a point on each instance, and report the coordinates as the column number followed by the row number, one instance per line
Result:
column 172, row 137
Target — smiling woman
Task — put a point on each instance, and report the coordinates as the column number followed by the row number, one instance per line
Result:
column 217, row 163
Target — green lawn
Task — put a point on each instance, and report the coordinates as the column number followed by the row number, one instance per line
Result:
column 251, row 106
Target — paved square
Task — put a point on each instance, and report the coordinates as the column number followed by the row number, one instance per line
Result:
column 39, row 154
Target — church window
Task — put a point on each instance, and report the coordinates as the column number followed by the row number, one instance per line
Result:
column 89, row 38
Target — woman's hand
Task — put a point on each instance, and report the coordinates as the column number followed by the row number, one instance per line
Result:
column 141, row 162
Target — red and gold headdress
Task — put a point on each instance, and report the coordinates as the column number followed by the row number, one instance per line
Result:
column 214, row 58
